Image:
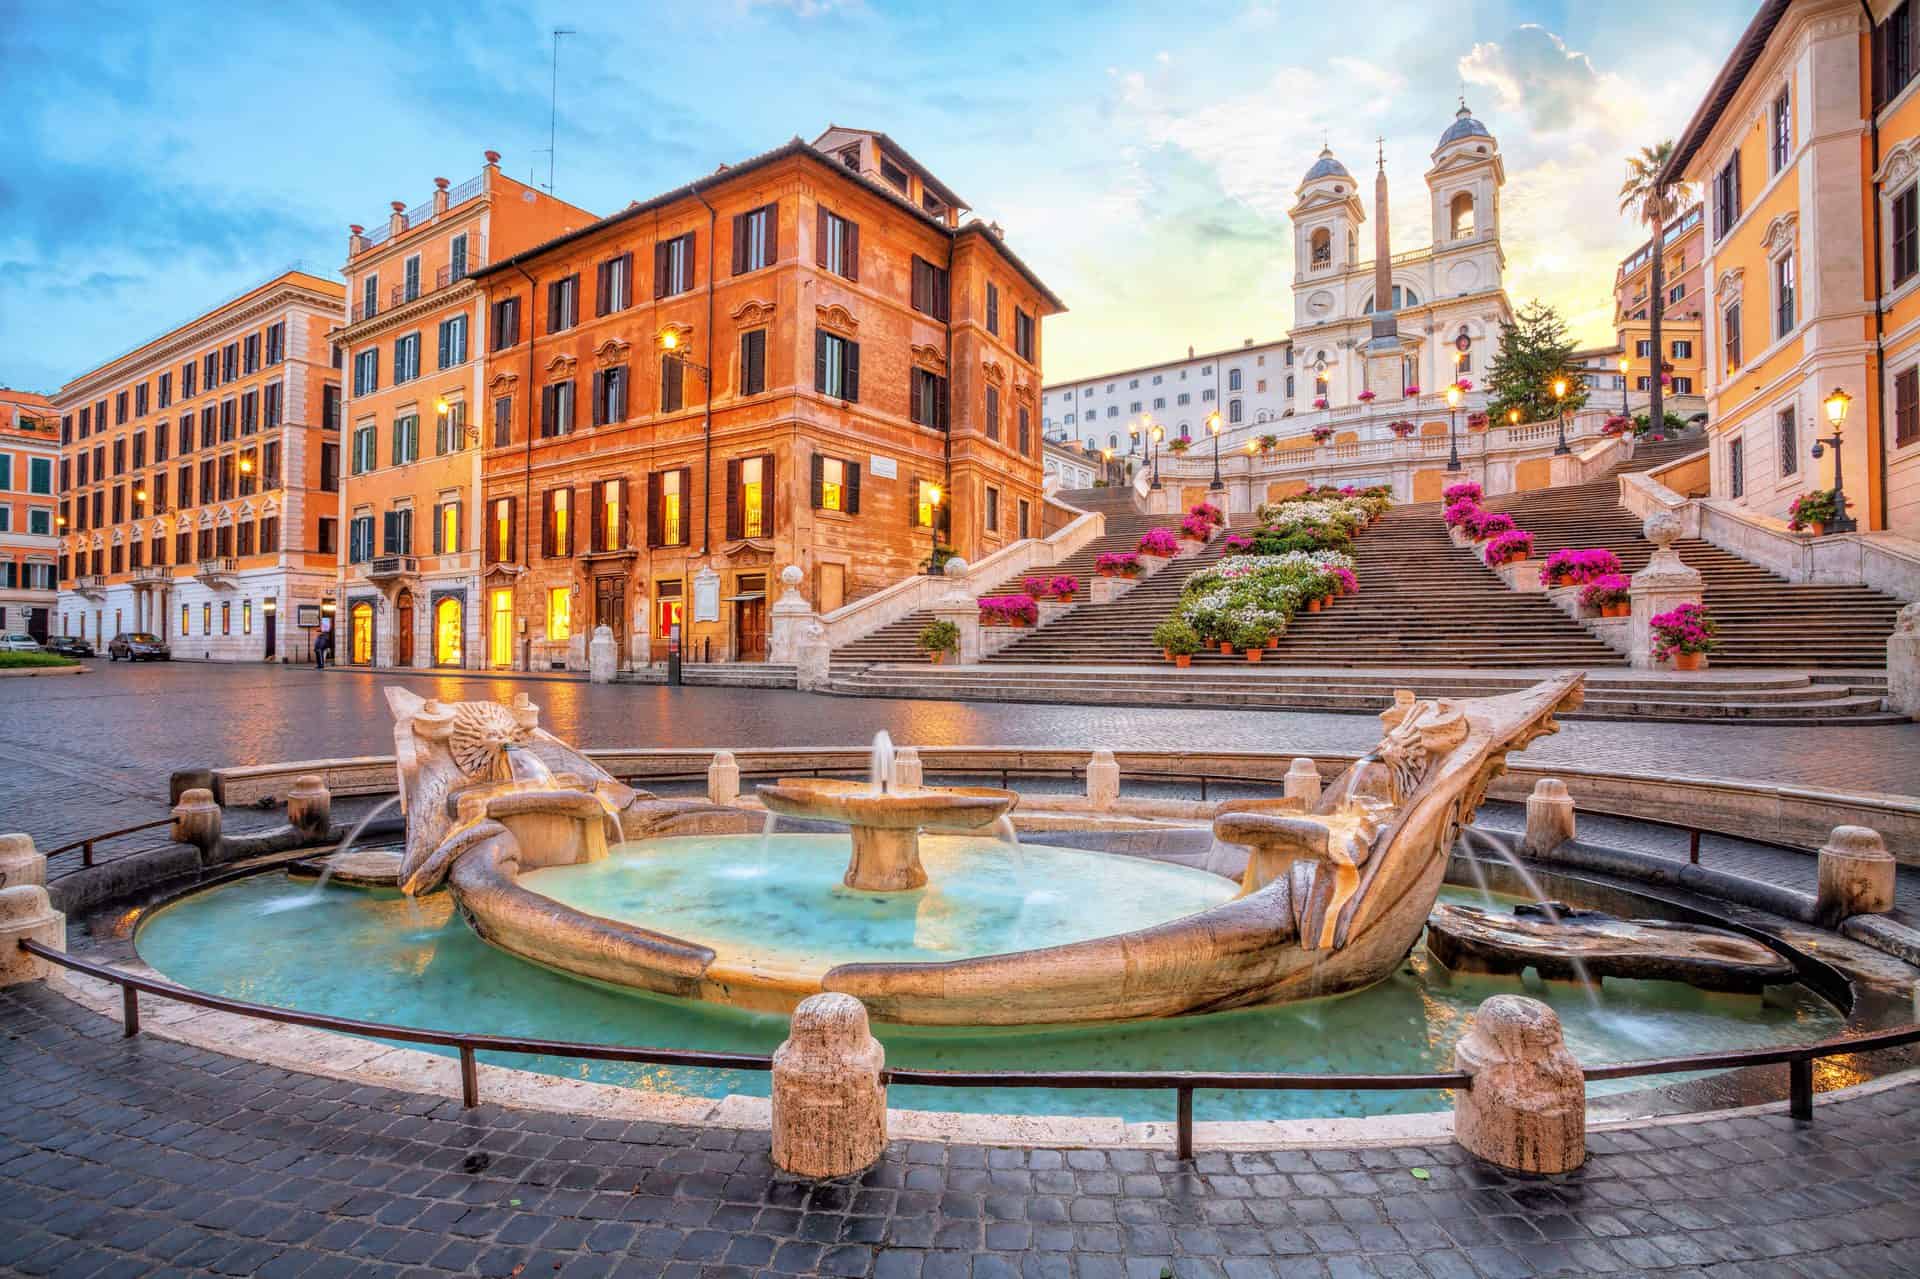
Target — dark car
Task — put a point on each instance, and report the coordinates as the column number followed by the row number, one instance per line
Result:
column 137, row 646
column 69, row 646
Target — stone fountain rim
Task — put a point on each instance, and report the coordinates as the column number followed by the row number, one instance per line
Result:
column 835, row 799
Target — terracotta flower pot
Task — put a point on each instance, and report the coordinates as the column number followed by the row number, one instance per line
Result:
column 1253, row 654
column 1273, row 641
column 1226, row 648
column 937, row 657
column 1623, row 609
column 1183, row 659
column 1313, row 605
column 1689, row 661
column 1064, row 597
column 1517, row 558
column 1108, row 572
column 1816, row 528
column 1565, row 579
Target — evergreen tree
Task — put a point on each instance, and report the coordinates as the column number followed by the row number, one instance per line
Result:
column 1534, row 351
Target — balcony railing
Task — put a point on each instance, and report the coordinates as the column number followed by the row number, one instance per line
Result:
column 146, row 574
column 381, row 567
column 216, row 568
column 91, row 584
column 365, row 311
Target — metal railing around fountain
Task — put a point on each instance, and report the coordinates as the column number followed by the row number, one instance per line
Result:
column 85, row 846
column 1798, row 1058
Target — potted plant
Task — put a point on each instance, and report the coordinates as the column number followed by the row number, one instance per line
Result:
column 1321, row 434
column 1365, row 397
column 1320, row 402
column 1349, row 581
column 1008, row 610
column 1609, row 595
column 1035, row 586
column 1197, row 527
column 1477, row 420
column 1208, row 511
column 1570, row 567
column 1618, row 424
column 1159, row 543
column 1177, row 640
column 1268, row 443
column 1118, row 564
column 1463, row 492
column 1251, row 635
column 1411, row 391
column 1484, row 524
column 939, row 638
column 1180, row 445
column 1508, row 547
column 1465, row 384
column 1063, row 587
column 1239, row 543
column 1686, row 635
column 1812, row 511
column 1402, row 428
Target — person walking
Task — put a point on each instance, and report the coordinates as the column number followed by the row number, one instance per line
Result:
column 323, row 644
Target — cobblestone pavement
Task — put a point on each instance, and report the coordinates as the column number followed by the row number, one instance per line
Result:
column 146, row 1157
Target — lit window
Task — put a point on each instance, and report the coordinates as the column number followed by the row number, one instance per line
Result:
column 672, row 506
column 752, row 495
column 560, row 613
column 833, row 484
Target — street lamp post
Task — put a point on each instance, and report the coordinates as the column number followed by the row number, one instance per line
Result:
column 1453, row 442
column 1836, row 404
column 1625, row 408
column 1560, row 412
column 1213, row 426
column 1156, row 433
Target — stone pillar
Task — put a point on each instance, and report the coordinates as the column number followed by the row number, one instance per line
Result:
column 1856, row 876
column 723, row 779
column 906, row 769
column 27, row 915
column 789, row 617
column 577, row 659
column 1550, row 818
column 21, row 862
column 1103, row 781
column 196, row 820
column 1527, row 1109
column 1903, row 663
column 829, row 1106
column 960, row 608
column 1302, row 781
column 603, row 656
column 1664, row 584
column 310, row 806
column 814, row 666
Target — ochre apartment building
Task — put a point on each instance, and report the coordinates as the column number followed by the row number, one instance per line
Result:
column 197, row 479
column 412, row 359
column 806, row 358
column 29, row 540
column 1681, row 320
column 1807, row 150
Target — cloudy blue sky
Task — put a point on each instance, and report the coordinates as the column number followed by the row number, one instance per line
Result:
column 162, row 157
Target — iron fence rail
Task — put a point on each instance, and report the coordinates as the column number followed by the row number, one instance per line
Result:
column 1799, row 1058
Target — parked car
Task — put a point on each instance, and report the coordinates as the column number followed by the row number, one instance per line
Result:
column 69, row 646
column 137, row 646
column 17, row 643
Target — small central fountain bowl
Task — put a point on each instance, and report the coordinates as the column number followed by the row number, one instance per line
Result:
column 885, row 824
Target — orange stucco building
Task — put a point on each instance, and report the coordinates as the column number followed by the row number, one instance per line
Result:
column 1807, row 150
column 412, row 363
column 1684, row 284
column 29, row 542
column 197, row 478
column 807, row 358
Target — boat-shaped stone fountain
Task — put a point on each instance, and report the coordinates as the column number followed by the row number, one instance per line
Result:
column 536, row 842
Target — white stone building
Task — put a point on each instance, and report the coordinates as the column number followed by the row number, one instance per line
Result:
column 1250, row 385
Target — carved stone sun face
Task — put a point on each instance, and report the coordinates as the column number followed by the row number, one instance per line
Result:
column 481, row 733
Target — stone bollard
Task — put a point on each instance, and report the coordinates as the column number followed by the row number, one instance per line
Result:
column 27, row 915
column 1527, row 1109
column 906, row 769
column 603, row 656
column 1550, row 817
column 21, row 862
column 1302, row 781
column 196, row 820
column 1856, row 876
column 1103, row 780
column 310, row 806
column 829, row 1106
column 723, row 779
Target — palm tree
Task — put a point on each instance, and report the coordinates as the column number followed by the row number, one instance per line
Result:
column 1655, row 203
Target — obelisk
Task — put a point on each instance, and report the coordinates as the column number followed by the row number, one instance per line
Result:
column 1384, row 352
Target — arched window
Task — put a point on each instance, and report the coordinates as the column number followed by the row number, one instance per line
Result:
column 1461, row 211
column 1401, row 298
column 1322, row 247
column 1234, row 411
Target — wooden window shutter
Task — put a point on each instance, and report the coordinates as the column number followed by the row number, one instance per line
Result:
column 766, row 494
column 819, row 235
column 599, row 516
column 853, row 251
column 913, row 501
column 660, row 270
column 733, row 499
column 626, row 271
column 546, row 525
column 620, row 392
column 853, row 488
column 601, row 276
column 513, row 525
column 653, row 509
column 943, row 398
column 773, row 233
column 739, row 243
column 819, row 360
column 853, row 371
column 626, row 518
column 683, row 532
column 553, row 305
column 689, row 261
column 573, row 518
column 819, row 480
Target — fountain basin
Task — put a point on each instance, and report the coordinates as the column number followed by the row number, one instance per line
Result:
column 885, row 825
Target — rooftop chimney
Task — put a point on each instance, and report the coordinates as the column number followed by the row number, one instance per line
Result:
column 439, row 196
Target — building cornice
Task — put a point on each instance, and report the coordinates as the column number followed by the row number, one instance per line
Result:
column 406, row 313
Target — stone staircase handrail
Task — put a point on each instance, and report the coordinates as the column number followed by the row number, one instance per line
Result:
column 1642, row 494
column 1884, row 561
column 869, row 613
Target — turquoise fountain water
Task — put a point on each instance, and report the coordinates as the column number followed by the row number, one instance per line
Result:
column 381, row 957
column 781, row 899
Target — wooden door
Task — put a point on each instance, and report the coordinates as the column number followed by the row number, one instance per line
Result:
column 750, row 629
column 403, row 628
column 610, row 609
column 832, row 592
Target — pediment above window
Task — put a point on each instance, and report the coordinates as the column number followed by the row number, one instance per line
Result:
column 502, row 382
column 753, row 311
column 611, row 352
column 993, row 371
column 1780, row 233
column 928, row 357
column 835, row 318
column 1728, row 286
column 561, row 365
column 1901, row 163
